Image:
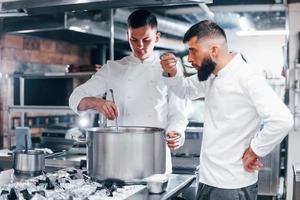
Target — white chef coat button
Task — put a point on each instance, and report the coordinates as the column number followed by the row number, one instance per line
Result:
column 129, row 80
column 149, row 116
column 128, row 97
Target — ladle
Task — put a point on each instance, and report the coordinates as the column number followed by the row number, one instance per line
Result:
column 26, row 144
column 113, row 99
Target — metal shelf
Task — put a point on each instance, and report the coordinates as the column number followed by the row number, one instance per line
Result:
column 55, row 109
column 52, row 75
column 24, row 108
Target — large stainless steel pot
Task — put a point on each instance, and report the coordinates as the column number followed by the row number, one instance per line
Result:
column 129, row 154
column 30, row 162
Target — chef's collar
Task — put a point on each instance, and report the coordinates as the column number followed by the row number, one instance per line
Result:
column 136, row 60
column 235, row 61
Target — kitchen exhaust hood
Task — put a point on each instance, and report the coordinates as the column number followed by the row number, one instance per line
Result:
column 91, row 27
column 86, row 22
column 49, row 6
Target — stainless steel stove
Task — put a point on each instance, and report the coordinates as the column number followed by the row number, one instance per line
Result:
column 66, row 184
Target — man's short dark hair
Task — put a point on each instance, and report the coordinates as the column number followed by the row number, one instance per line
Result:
column 140, row 18
column 204, row 29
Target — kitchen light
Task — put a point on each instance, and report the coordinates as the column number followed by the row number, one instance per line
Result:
column 245, row 23
column 83, row 121
column 78, row 29
column 261, row 33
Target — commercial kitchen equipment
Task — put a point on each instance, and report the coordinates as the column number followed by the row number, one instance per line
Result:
column 296, row 184
column 129, row 153
column 186, row 159
column 30, row 162
column 21, row 133
column 55, row 139
column 73, row 182
column 21, row 94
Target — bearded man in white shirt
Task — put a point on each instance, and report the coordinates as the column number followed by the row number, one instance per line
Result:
column 238, row 101
column 141, row 96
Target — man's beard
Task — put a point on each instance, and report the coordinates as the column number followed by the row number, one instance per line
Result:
column 206, row 69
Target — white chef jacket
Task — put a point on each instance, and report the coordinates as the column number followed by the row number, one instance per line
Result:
column 142, row 97
column 237, row 101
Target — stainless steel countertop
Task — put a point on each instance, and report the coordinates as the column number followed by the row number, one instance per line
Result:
column 176, row 184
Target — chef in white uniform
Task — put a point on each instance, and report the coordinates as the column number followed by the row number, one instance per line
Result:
column 238, row 101
column 141, row 96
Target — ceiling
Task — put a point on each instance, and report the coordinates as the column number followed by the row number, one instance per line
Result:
column 260, row 14
column 87, row 23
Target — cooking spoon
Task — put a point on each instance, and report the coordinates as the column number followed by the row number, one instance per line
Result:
column 26, row 144
column 113, row 99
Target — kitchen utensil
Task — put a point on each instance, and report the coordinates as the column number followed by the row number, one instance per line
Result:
column 130, row 154
column 113, row 99
column 28, row 162
column 26, row 145
column 157, row 183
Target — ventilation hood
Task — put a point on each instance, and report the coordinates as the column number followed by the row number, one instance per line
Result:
column 91, row 27
column 33, row 7
column 86, row 22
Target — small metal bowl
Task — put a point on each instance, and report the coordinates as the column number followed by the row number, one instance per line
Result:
column 157, row 183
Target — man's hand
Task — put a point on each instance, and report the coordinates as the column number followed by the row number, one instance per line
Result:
column 168, row 63
column 173, row 140
column 106, row 107
column 251, row 161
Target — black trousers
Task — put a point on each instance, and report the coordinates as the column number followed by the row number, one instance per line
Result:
column 206, row 192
